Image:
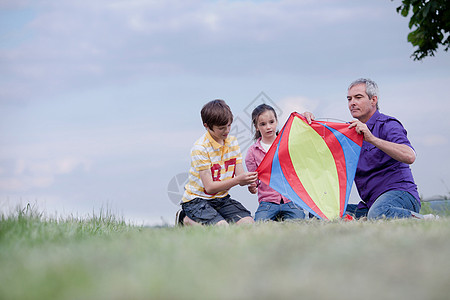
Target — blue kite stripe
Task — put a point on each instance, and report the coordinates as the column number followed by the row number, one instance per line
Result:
column 351, row 155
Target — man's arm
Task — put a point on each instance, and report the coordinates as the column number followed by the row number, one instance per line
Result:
column 400, row 152
column 241, row 178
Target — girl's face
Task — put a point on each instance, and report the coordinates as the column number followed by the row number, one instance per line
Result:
column 267, row 125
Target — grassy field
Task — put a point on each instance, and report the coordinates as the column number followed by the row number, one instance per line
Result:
column 101, row 257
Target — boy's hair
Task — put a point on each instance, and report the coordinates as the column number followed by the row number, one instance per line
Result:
column 216, row 112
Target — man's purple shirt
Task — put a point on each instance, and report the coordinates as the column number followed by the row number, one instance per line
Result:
column 377, row 172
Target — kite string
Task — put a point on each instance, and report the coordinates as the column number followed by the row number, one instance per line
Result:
column 330, row 120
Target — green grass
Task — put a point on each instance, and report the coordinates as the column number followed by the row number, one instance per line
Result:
column 426, row 209
column 101, row 257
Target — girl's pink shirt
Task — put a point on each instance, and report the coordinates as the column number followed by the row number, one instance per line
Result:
column 255, row 155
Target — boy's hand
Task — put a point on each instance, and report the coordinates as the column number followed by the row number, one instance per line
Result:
column 247, row 178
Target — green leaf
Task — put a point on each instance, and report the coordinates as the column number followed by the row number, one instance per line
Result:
column 405, row 10
column 426, row 10
column 430, row 25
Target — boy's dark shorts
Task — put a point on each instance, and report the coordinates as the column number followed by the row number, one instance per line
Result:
column 212, row 211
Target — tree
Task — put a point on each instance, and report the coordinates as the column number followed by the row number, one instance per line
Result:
column 431, row 19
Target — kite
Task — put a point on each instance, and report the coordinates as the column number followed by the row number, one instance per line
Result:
column 313, row 165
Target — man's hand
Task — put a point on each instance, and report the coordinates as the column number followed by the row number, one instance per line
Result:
column 362, row 128
column 309, row 116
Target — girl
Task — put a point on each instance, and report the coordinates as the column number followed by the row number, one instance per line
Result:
column 272, row 205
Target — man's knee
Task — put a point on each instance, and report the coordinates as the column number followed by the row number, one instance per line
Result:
column 379, row 212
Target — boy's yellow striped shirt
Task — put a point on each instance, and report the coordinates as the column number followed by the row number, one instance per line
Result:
column 208, row 154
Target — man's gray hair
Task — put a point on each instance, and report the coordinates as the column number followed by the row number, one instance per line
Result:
column 371, row 87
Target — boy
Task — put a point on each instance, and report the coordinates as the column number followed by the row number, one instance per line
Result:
column 216, row 166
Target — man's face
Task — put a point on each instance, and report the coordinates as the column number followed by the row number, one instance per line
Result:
column 359, row 104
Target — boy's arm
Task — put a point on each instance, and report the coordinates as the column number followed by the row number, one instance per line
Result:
column 252, row 187
column 241, row 178
column 239, row 170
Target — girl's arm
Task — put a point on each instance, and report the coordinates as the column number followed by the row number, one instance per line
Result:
column 250, row 161
column 251, row 164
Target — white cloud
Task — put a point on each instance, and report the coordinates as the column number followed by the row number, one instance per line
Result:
column 20, row 167
column 296, row 104
column 84, row 43
column 38, row 165
column 11, row 184
column 24, row 183
column 35, row 173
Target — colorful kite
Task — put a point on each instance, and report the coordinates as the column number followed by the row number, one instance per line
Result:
column 313, row 165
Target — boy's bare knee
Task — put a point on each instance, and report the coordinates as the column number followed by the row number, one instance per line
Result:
column 189, row 222
column 246, row 220
column 222, row 223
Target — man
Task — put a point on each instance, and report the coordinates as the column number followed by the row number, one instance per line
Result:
column 383, row 177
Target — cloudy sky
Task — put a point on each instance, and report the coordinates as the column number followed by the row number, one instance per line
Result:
column 100, row 100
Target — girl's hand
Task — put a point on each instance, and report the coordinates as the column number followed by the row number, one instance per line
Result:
column 253, row 188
